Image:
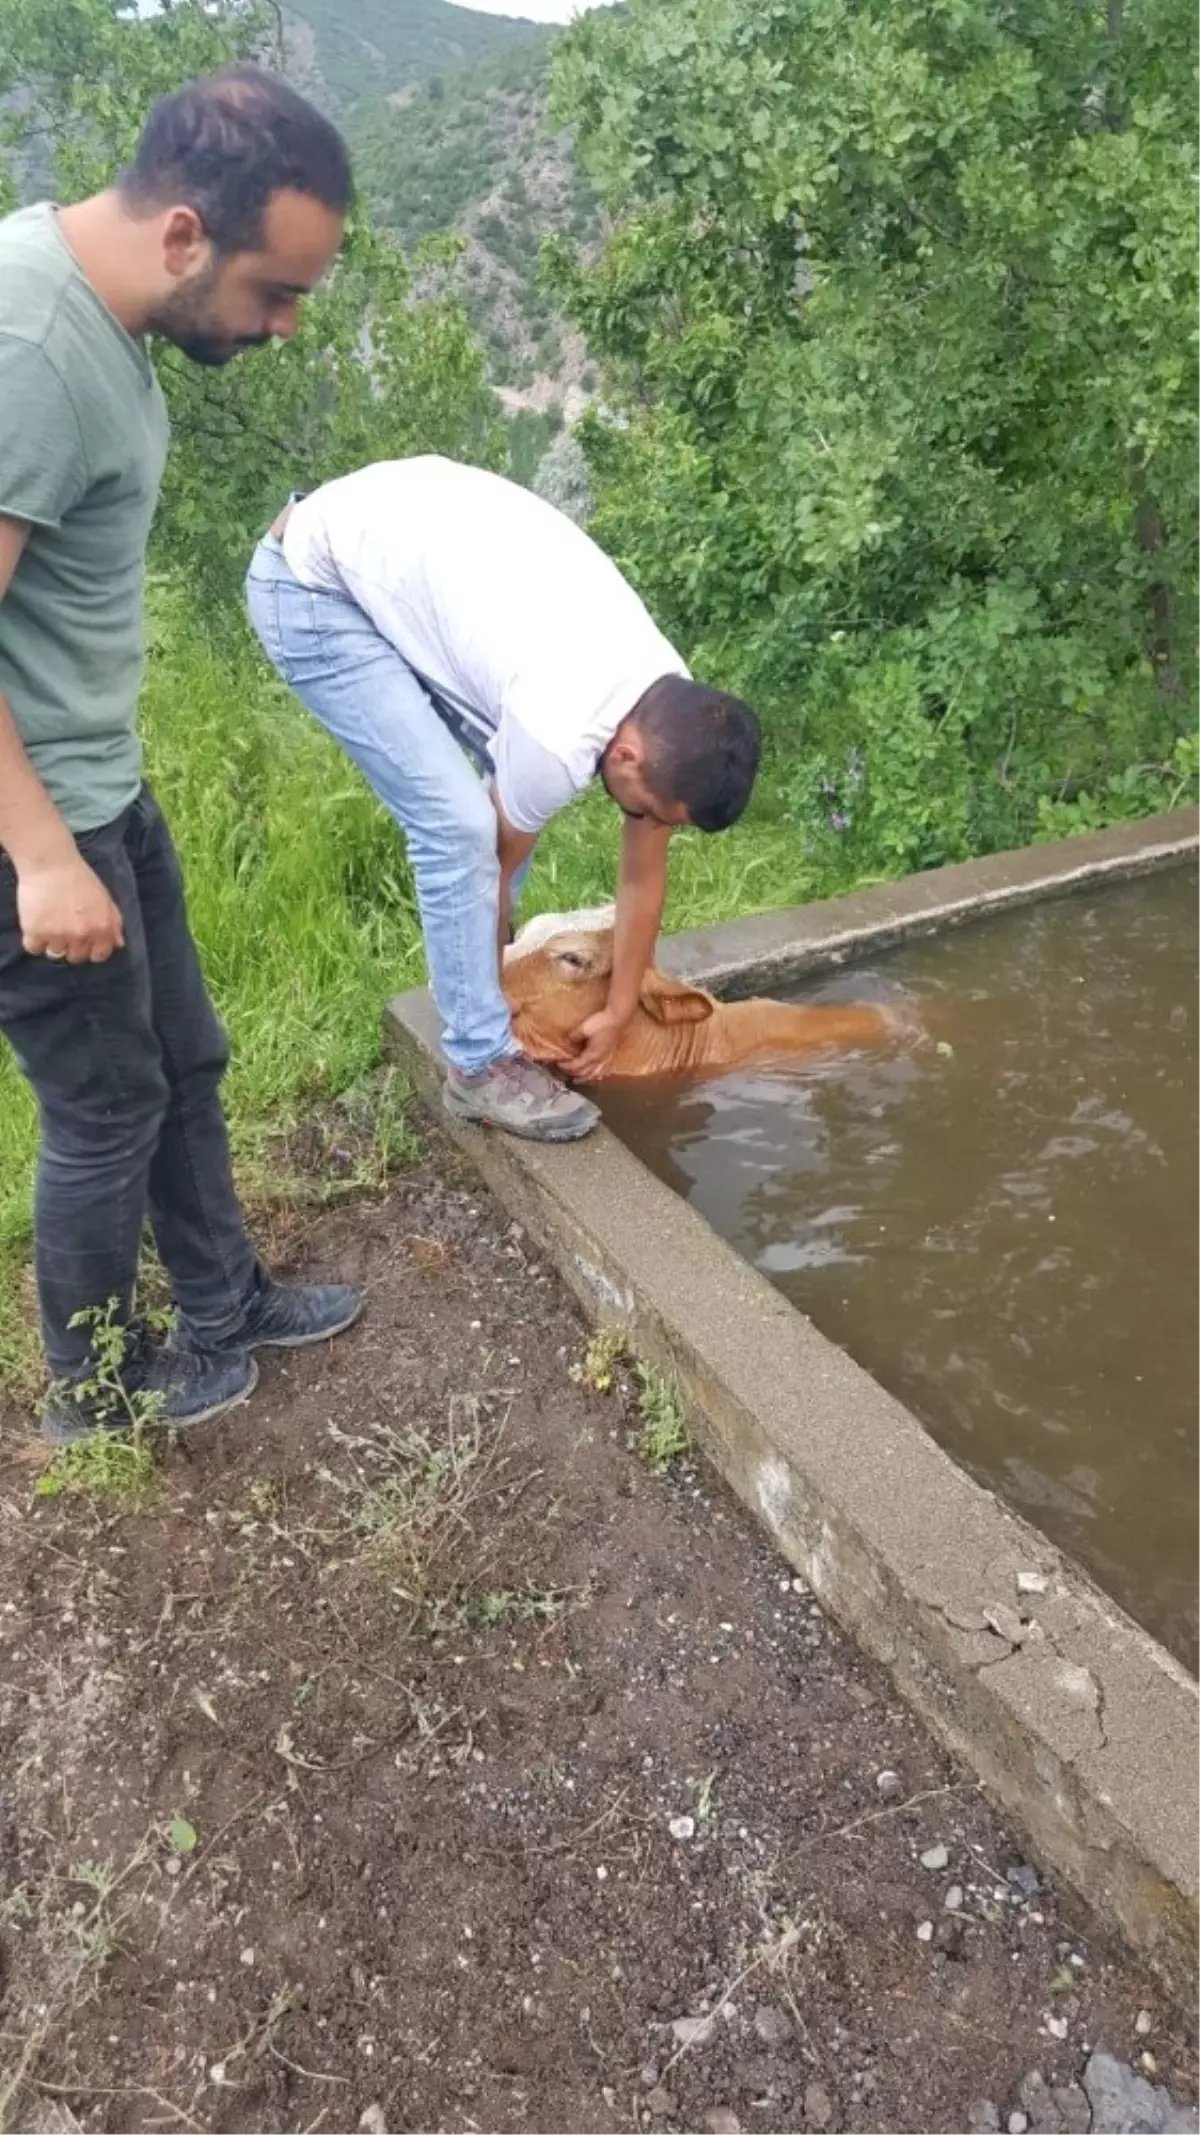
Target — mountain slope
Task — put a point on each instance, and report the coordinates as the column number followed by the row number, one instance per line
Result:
column 358, row 49
column 471, row 152
column 445, row 112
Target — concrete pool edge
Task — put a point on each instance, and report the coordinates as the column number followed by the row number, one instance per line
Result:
column 1071, row 1715
column 773, row 949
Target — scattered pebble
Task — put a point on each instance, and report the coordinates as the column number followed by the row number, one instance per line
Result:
column 372, row 2121
column 1030, row 1583
column 1143, row 2023
column 936, row 1857
column 693, row 2030
column 953, row 1898
column 682, row 1827
column 889, row 1786
column 818, row 2106
column 247, row 1956
column 1061, row 2111
column 1147, row 2062
column 1022, row 1878
column 1057, row 2026
column 720, row 2121
column 602, row 1873
column 925, row 1931
column 1017, row 2123
column 660, row 2102
column 772, row 2026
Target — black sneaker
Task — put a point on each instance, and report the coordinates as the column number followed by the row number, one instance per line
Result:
column 178, row 1388
column 285, row 1317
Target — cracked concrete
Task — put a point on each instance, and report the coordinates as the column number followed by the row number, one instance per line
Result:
column 1119, row 2102
column 1111, row 2099
column 1085, row 1728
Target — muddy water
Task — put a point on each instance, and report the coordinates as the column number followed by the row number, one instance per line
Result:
column 998, row 1218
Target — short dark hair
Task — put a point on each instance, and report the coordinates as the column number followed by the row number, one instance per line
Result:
column 223, row 144
column 702, row 749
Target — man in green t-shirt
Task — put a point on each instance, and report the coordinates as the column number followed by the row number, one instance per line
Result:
column 231, row 211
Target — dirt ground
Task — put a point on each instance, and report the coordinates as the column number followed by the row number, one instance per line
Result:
column 422, row 1752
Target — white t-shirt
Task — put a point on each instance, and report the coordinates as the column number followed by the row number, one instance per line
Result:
column 500, row 604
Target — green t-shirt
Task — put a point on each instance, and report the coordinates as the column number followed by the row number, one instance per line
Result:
column 83, row 438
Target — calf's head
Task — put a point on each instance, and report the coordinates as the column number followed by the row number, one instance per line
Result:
column 557, row 974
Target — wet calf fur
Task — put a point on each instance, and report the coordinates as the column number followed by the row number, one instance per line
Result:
column 557, row 973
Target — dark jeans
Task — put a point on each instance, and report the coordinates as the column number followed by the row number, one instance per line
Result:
column 125, row 1059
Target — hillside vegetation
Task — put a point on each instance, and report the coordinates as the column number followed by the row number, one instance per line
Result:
column 360, row 50
column 446, row 112
column 472, row 151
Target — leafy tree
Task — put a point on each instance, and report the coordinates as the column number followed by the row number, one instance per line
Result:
column 370, row 374
column 898, row 326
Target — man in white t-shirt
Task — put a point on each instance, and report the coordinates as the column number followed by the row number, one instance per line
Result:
column 431, row 614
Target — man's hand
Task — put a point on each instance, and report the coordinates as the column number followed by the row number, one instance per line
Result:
column 598, row 1040
column 66, row 913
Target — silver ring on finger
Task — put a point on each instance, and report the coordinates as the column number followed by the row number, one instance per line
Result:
column 56, row 956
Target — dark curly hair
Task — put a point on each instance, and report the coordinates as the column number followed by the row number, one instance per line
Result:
column 225, row 143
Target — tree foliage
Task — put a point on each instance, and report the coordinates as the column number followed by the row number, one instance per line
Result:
column 454, row 140
column 372, row 373
column 899, row 328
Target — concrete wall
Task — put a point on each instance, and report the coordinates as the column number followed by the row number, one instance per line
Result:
column 1073, row 1716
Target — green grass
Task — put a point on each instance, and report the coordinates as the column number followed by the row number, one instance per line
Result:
column 662, row 1433
column 302, row 903
column 105, row 1466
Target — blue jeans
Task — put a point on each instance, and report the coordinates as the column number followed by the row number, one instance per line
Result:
column 356, row 683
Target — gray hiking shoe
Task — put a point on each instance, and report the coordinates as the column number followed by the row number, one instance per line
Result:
column 521, row 1097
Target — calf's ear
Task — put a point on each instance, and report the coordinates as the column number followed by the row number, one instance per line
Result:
column 669, row 1001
